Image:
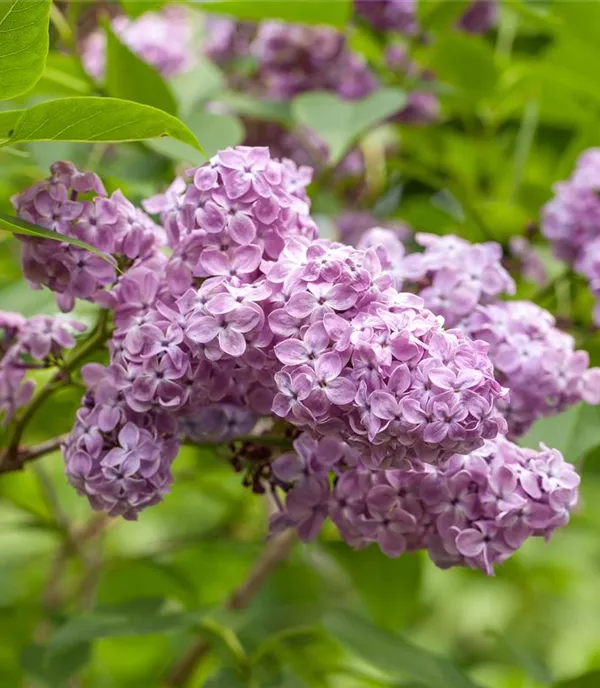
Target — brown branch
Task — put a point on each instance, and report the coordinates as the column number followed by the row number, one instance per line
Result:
column 8, row 464
column 274, row 553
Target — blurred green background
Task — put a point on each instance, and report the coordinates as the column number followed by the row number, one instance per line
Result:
column 93, row 602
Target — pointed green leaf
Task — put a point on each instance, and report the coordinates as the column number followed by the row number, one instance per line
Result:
column 16, row 226
column 338, row 122
column 23, row 44
column 118, row 624
column 129, row 77
column 97, row 119
column 370, row 570
column 394, row 655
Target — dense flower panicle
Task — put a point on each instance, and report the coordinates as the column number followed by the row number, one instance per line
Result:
column 373, row 366
column 251, row 315
column 294, row 58
column 27, row 344
column 119, row 459
column 479, row 17
column 109, row 223
column 226, row 39
column 571, row 221
column 455, row 276
column 535, row 360
column 473, row 510
column 389, row 15
column 162, row 39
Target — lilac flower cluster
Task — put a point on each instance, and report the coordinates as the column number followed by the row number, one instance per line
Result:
column 479, row 17
column 163, row 39
column 389, row 15
column 454, row 276
column 293, row 59
column 251, row 315
column 475, row 510
column 118, row 458
column 25, row 345
column 400, row 15
column 371, row 365
column 535, row 360
column 75, row 204
column 571, row 221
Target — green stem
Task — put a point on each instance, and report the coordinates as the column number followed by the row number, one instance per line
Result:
column 525, row 138
column 97, row 338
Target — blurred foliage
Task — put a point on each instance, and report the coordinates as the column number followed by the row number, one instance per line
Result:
column 96, row 603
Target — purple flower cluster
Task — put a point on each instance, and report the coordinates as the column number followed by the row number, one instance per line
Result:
column 294, row 58
column 400, row 15
column 535, row 360
column 571, row 221
column 479, row 17
column 454, row 276
column 75, row 204
column 118, row 458
column 389, row 15
column 475, row 510
column 162, row 39
column 25, row 345
column 218, row 423
column 372, row 366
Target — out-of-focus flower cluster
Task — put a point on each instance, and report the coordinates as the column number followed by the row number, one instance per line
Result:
column 76, row 205
column 26, row 345
column 401, row 15
column 163, row 39
column 249, row 314
column 473, row 510
column 571, row 221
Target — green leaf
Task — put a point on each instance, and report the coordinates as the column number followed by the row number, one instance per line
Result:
column 394, row 655
column 590, row 680
column 24, row 44
column 97, row 119
column 8, row 121
column 370, row 572
column 218, row 131
column 256, row 108
column 130, row 78
column 54, row 669
column 196, row 85
column 574, row 433
column 335, row 13
column 16, row 226
column 135, row 8
column 62, row 77
column 118, row 624
column 340, row 123
column 440, row 14
column 467, row 64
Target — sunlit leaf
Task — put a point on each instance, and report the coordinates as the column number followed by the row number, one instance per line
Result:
column 96, row 119
column 23, row 44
